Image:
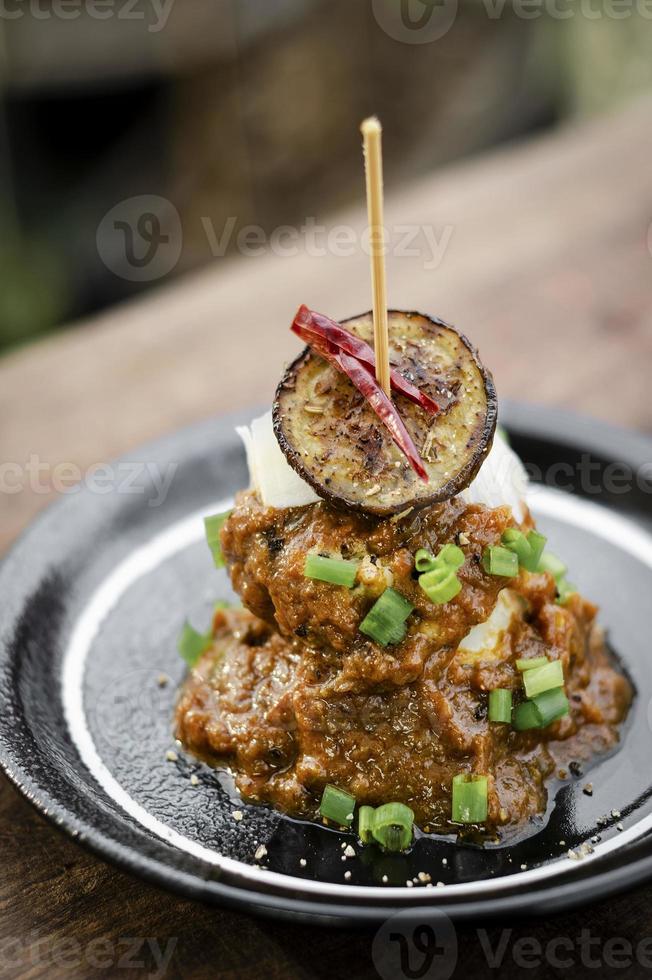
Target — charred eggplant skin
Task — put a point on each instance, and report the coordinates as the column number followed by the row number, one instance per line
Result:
column 340, row 448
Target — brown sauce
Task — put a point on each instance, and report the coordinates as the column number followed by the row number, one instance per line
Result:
column 292, row 696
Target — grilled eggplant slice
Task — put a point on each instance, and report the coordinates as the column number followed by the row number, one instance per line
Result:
column 333, row 439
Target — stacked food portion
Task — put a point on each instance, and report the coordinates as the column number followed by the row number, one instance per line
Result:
column 409, row 650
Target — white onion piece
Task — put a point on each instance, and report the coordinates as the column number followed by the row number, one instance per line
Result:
column 270, row 474
column 502, row 480
column 484, row 640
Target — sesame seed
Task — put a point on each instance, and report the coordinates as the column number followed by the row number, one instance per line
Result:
column 384, row 879
column 260, row 853
column 302, row 862
column 440, row 884
column 237, row 814
column 349, row 852
column 444, row 861
column 194, row 781
column 588, row 789
column 409, row 883
column 347, row 875
column 619, row 826
column 615, row 814
column 171, row 755
column 523, row 867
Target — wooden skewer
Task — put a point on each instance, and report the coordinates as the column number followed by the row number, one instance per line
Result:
column 373, row 154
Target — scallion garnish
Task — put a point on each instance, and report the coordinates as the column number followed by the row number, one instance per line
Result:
column 424, row 560
column 385, row 621
column 451, row 555
column 392, row 826
column 550, row 563
column 469, row 798
column 544, row 678
column 551, row 705
column 497, row 560
column 526, row 716
column 441, row 584
column 213, row 525
column 365, row 824
column 531, row 663
column 192, row 644
column 514, row 540
column 565, row 590
column 500, row 705
column 337, row 571
column 337, row 805
column 537, row 543
column 540, row 711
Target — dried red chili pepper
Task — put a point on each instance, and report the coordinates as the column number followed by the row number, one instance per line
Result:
column 307, row 321
column 363, row 379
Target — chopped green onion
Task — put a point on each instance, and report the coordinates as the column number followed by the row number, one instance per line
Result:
column 385, row 621
column 550, row 563
column 545, row 678
column 514, row 540
column 192, row 644
column 537, row 543
column 451, row 555
column 336, row 805
column 469, row 798
column 337, row 571
column 424, row 561
column 551, row 706
column 441, row 584
column 565, row 590
column 526, row 716
column 540, row 711
column 365, row 824
column 213, row 525
column 531, row 663
column 500, row 561
column 392, row 826
column 500, row 705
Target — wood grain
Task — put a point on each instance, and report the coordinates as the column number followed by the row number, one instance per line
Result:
column 547, row 268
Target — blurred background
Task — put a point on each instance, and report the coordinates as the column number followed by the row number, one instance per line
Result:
column 248, row 109
column 177, row 176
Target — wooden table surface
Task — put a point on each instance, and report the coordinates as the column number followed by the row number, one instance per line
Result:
column 548, row 267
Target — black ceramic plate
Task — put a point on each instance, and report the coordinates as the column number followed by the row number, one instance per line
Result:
column 94, row 596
